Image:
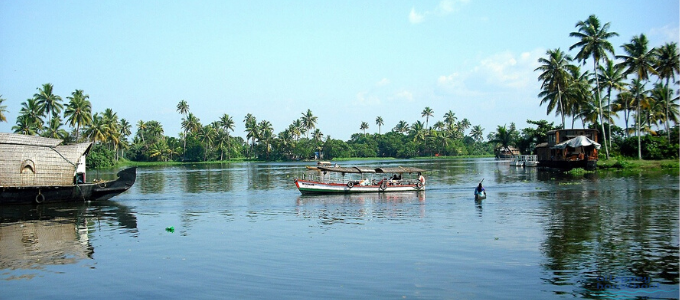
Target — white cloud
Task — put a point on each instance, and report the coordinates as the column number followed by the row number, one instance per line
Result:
column 444, row 7
column 667, row 33
column 415, row 17
column 406, row 95
column 383, row 82
column 367, row 99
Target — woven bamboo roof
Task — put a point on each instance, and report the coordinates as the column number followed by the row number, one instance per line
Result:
column 399, row 170
column 32, row 140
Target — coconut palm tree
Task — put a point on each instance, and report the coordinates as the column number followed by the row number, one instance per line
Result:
column 638, row 60
column 450, row 118
column 611, row 78
column 477, row 133
column 32, row 110
column 3, row 110
column 624, row 100
column 78, row 111
column 593, row 43
column 206, row 135
column 251, row 130
column 183, row 109
column 363, row 127
column 97, row 130
column 379, row 121
column 54, row 129
column 401, row 127
column 25, row 125
column 427, row 113
column 667, row 64
column 266, row 135
column 308, row 121
column 556, row 71
column 141, row 127
column 49, row 103
column 504, row 136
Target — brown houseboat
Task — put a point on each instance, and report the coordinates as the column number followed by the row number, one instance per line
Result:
column 569, row 148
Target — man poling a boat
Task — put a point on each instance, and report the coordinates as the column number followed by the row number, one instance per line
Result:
column 480, row 192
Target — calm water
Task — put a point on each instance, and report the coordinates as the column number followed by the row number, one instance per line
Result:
column 242, row 231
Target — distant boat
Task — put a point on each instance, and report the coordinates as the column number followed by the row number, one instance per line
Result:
column 362, row 180
column 569, row 148
column 506, row 152
column 40, row 170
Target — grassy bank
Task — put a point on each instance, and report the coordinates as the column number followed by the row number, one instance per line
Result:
column 632, row 164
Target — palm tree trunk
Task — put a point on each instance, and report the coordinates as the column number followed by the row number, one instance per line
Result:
column 637, row 129
column 599, row 102
column 668, row 99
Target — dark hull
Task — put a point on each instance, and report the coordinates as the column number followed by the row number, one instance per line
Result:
column 568, row 165
column 69, row 193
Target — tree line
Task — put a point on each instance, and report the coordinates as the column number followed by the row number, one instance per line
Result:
column 623, row 78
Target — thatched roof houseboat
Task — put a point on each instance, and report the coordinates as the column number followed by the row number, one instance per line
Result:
column 38, row 169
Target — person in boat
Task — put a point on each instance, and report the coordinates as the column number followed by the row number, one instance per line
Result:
column 421, row 178
column 480, row 189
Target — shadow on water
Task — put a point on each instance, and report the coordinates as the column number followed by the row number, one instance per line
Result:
column 33, row 237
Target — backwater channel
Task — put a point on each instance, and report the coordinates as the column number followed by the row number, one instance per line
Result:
column 243, row 231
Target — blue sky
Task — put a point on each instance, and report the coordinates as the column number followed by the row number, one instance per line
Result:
column 347, row 61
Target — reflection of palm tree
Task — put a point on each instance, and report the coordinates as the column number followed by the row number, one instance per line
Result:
column 638, row 60
column 593, row 43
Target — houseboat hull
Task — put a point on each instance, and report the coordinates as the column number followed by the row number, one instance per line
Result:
column 315, row 187
column 69, row 193
column 588, row 165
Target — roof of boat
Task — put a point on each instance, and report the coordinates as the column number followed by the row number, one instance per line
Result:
column 356, row 169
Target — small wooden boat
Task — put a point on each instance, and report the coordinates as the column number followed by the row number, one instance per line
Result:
column 362, row 180
column 38, row 170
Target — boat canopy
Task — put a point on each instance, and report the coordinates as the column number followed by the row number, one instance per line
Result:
column 370, row 170
column 579, row 141
column 399, row 170
column 347, row 170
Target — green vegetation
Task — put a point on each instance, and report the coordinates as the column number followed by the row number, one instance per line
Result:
column 573, row 94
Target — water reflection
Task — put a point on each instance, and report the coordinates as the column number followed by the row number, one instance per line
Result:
column 35, row 237
column 626, row 228
column 359, row 208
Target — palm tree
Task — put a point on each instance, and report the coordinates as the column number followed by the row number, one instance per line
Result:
column 638, row 60
column 450, row 118
column 251, row 130
column 227, row 123
column 49, row 102
column 183, row 109
column 379, row 121
column 54, row 129
column 31, row 109
column 206, row 135
column 578, row 94
column 97, row 130
column 667, row 65
column 593, row 43
column 125, row 131
column 427, row 113
column 78, row 111
column 401, row 127
column 141, row 127
column 624, row 100
column 25, row 125
column 477, row 133
column 3, row 110
column 266, row 134
column 363, row 127
column 504, row 136
column 309, row 121
column 464, row 125
column 555, row 73
column 611, row 77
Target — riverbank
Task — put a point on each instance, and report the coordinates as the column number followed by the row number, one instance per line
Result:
column 632, row 164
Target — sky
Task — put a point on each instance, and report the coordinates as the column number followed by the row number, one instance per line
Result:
column 347, row 61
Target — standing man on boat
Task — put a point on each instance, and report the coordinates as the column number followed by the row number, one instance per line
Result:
column 421, row 178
